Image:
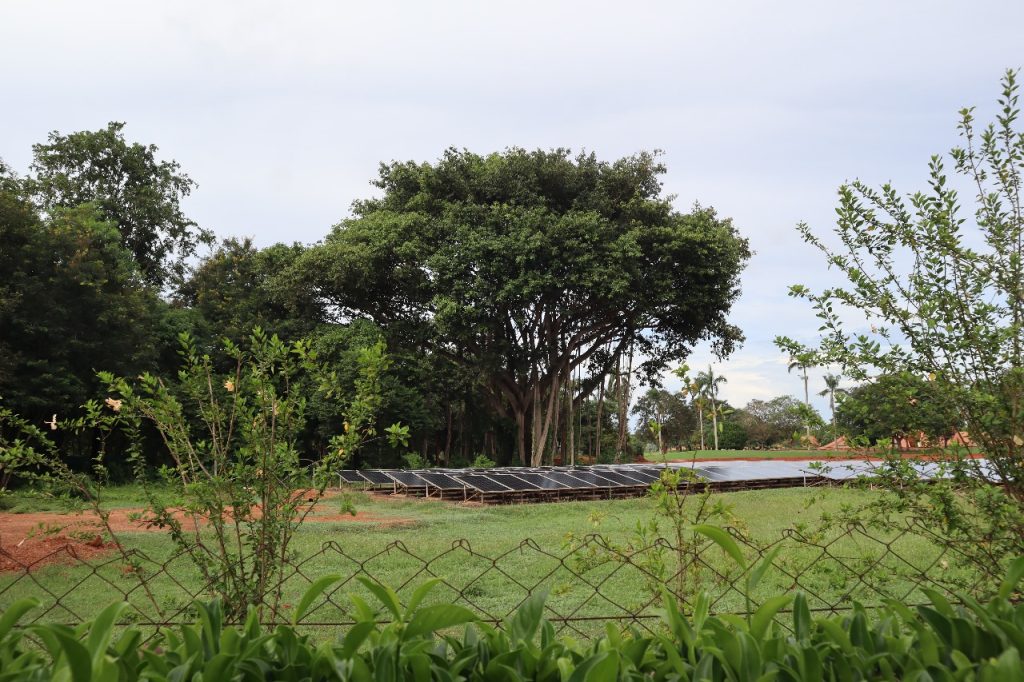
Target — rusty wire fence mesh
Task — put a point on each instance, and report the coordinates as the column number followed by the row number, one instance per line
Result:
column 590, row 581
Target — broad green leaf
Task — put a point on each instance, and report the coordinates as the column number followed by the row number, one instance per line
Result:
column 419, row 594
column 765, row 614
column 1013, row 578
column 13, row 613
column 801, row 617
column 355, row 637
column 433, row 618
column 721, row 538
column 758, row 571
column 314, row 591
column 77, row 657
column 102, row 629
column 386, row 596
column 527, row 618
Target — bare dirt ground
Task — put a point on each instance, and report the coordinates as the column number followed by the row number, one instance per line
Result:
column 31, row 540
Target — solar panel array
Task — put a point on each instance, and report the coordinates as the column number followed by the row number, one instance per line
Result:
column 611, row 480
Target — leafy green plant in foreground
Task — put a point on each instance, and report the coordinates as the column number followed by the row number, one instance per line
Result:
column 236, row 489
column 941, row 287
column 940, row 641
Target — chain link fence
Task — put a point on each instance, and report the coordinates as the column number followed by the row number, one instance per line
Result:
column 590, row 581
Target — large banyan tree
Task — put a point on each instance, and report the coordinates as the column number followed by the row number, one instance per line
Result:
column 538, row 270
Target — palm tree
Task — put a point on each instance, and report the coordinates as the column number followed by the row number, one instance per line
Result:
column 700, row 402
column 802, row 362
column 692, row 389
column 709, row 384
column 831, row 389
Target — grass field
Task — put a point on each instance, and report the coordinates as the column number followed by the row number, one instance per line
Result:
column 478, row 552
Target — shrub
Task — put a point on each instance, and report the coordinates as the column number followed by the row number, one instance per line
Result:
column 938, row 641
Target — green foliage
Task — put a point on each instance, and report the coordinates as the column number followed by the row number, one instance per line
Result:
column 71, row 301
column 943, row 293
column 413, row 460
column 971, row 641
column 732, row 435
column 238, row 287
column 482, row 462
column 23, row 448
column 530, row 268
column 676, row 420
column 898, row 406
column 683, row 512
column 771, row 423
column 238, row 488
column 132, row 190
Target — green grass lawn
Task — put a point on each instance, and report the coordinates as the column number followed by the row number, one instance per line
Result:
column 480, row 554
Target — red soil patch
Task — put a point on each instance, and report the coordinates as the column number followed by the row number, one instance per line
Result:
column 30, row 541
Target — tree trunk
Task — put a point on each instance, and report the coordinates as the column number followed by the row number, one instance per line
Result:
column 571, row 425
column 521, row 435
column 700, row 418
column 807, row 402
column 597, row 429
column 542, row 420
column 624, row 390
column 714, row 421
column 832, row 407
column 558, row 436
column 448, row 435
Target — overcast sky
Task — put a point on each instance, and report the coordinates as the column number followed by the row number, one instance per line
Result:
column 281, row 111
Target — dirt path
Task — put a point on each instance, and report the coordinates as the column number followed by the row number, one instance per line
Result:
column 31, row 540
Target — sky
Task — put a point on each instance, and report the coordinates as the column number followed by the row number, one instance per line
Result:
column 281, row 112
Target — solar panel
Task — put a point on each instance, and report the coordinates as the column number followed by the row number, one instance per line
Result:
column 618, row 478
column 483, row 483
column 541, row 481
column 646, row 476
column 375, row 476
column 407, row 478
column 514, row 481
column 716, row 473
column 350, row 476
column 593, row 479
column 568, row 479
column 442, row 481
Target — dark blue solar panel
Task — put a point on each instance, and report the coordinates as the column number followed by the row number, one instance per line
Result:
column 618, row 478
column 541, row 481
column 442, row 481
column 408, row 478
column 483, row 483
column 645, row 475
column 592, row 478
column 351, row 476
column 375, row 476
column 568, row 479
column 514, row 481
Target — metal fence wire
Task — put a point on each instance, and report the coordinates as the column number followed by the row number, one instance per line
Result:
column 590, row 581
